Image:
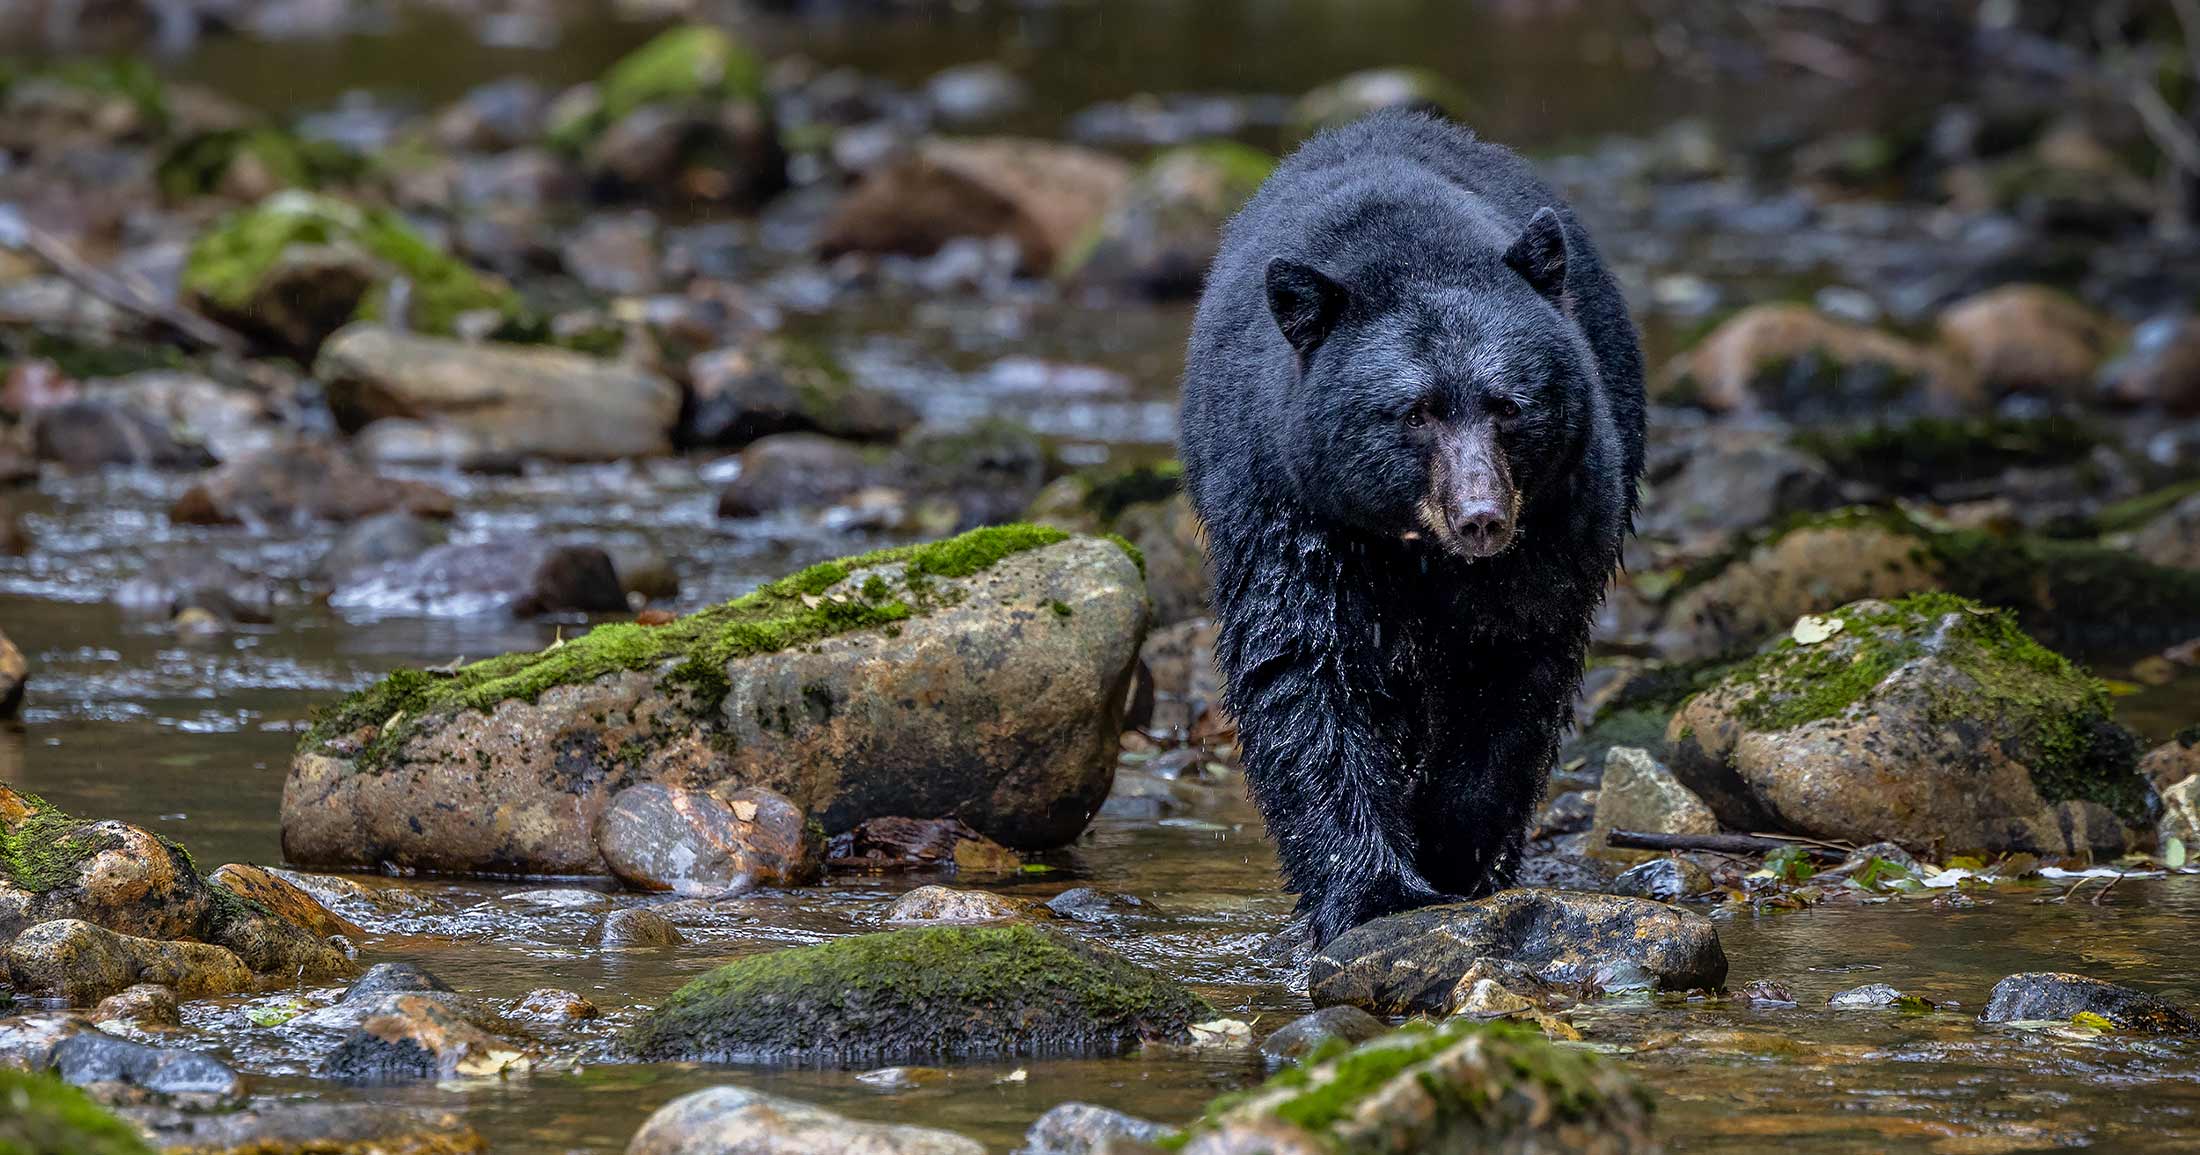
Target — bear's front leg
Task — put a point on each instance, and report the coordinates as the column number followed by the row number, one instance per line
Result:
column 1300, row 645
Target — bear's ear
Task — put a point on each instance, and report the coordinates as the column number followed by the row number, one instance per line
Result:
column 1539, row 256
column 1306, row 303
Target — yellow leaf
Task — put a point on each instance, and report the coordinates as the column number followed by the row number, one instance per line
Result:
column 1810, row 629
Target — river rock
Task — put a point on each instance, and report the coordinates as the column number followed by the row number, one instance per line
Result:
column 2045, row 995
column 230, row 422
column 2181, row 814
column 529, row 401
column 129, row 888
column 727, row 1120
column 1304, row 1035
column 1870, row 996
column 145, row 1006
column 1810, row 568
column 552, row 1005
column 2172, row 538
column 1460, row 1086
column 15, row 673
column 634, row 927
column 95, row 1057
column 1408, row 963
column 1733, row 483
column 407, row 1037
column 1164, row 230
column 1640, row 794
column 798, row 471
column 295, row 486
column 1664, row 879
column 1083, row 1129
column 683, row 117
column 2030, row 339
column 893, row 843
column 27, row 1041
column 72, row 960
column 521, row 577
column 297, row 266
column 925, row 993
column 48, row 1117
column 1043, row 195
column 744, row 392
column 1792, row 359
column 707, row 843
column 931, row 904
column 1169, row 536
column 372, row 543
column 2161, row 370
column 170, row 586
column 284, row 899
column 1930, row 721
column 89, row 434
column 804, row 687
column 1348, row 98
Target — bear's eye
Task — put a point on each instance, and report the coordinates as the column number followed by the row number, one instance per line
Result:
column 1419, row 415
column 1504, row 408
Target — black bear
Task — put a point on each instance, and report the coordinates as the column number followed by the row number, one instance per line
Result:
column 1412, row 426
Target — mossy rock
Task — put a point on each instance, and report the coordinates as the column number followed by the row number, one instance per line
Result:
column 687, row 65
column 2078, row 595
column 1090, row 500
column 1931, row 721
column 258, row 159
column 298, row 266
column 41, row 1115
column 123, row 878
column 832, row 687
column 928, row 993
column 1459, row 1086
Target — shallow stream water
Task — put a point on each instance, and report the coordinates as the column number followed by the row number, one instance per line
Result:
column 192, row 736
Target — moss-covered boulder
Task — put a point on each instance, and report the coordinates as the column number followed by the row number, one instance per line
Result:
column 297, row 266
column 981, row 677
column 2076, row 594
column 41, row 1115
column 1145, row 506
column 125, row 881
column 1930, row 721
column 249, row 163
column 684, row 116
column 928, row 993
column 1164, row 231
column 506, row 400
column 1460, row 1086
column 1792, row 359
column 1043, row 195
column 1413, row 962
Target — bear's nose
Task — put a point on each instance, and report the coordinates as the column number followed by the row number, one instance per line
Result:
column 1480, row 526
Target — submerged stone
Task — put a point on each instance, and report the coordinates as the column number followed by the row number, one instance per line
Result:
column 2047, row 995
column 733, row 1119
column 932, row 992
column 1930, row 721
column 1412, row 962
column 1308, row 1033
column 1461, row 1086
column 996, row 661
column 96, row 1057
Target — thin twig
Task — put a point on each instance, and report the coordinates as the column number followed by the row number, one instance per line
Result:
column 134, row 298
column 2102, row 893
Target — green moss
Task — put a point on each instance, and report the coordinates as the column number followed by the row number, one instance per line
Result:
column 2132, row 513
column 682, row 65
column 197, row 165
column 2061, row 718
column 1061, row 608
column 127, row 77
column 1914, row 455
column 41, row 1115
column 47, row 849
column 228, row 261
column 1130, row 550
column 1330, row 1087
column 692, row 651
column 932, row 991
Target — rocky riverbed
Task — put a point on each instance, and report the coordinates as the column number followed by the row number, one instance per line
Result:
column 576, row 579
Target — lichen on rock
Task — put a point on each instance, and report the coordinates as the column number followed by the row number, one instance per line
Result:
column 940, row 992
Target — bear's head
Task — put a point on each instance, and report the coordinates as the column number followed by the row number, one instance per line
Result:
column 1439, row 393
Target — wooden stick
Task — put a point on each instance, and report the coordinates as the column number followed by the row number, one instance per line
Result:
column 1742, row 844
column 135, row 299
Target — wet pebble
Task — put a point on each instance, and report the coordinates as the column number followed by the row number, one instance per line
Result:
column 409, row 1037
column 147, row 1005
column 1084, row 904
column 633, row 927
column 2043, row 995
column 1301, row 1036
column 1664, row 879
column 699, row 843
column 946, row 904
column 735, row 1119
column 1083, row 1129
column 552, row 1005
column 94, row 1057
column 1870, row 995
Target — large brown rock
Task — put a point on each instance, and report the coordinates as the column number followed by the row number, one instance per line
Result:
column 80, row 963
column 2030, row 339
column 1413, row 962
column 1042, row 194
column 1811, row 568
column 511, row 400
column 1640, row 794
column 982, row 677
column 1788, row 358
column 283, row 898
column 1930, row 722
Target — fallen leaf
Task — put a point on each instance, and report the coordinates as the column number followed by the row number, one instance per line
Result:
column 745, row 810
column 1811, row 629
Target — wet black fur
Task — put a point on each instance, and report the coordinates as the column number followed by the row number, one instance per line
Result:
column 1399, row 707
